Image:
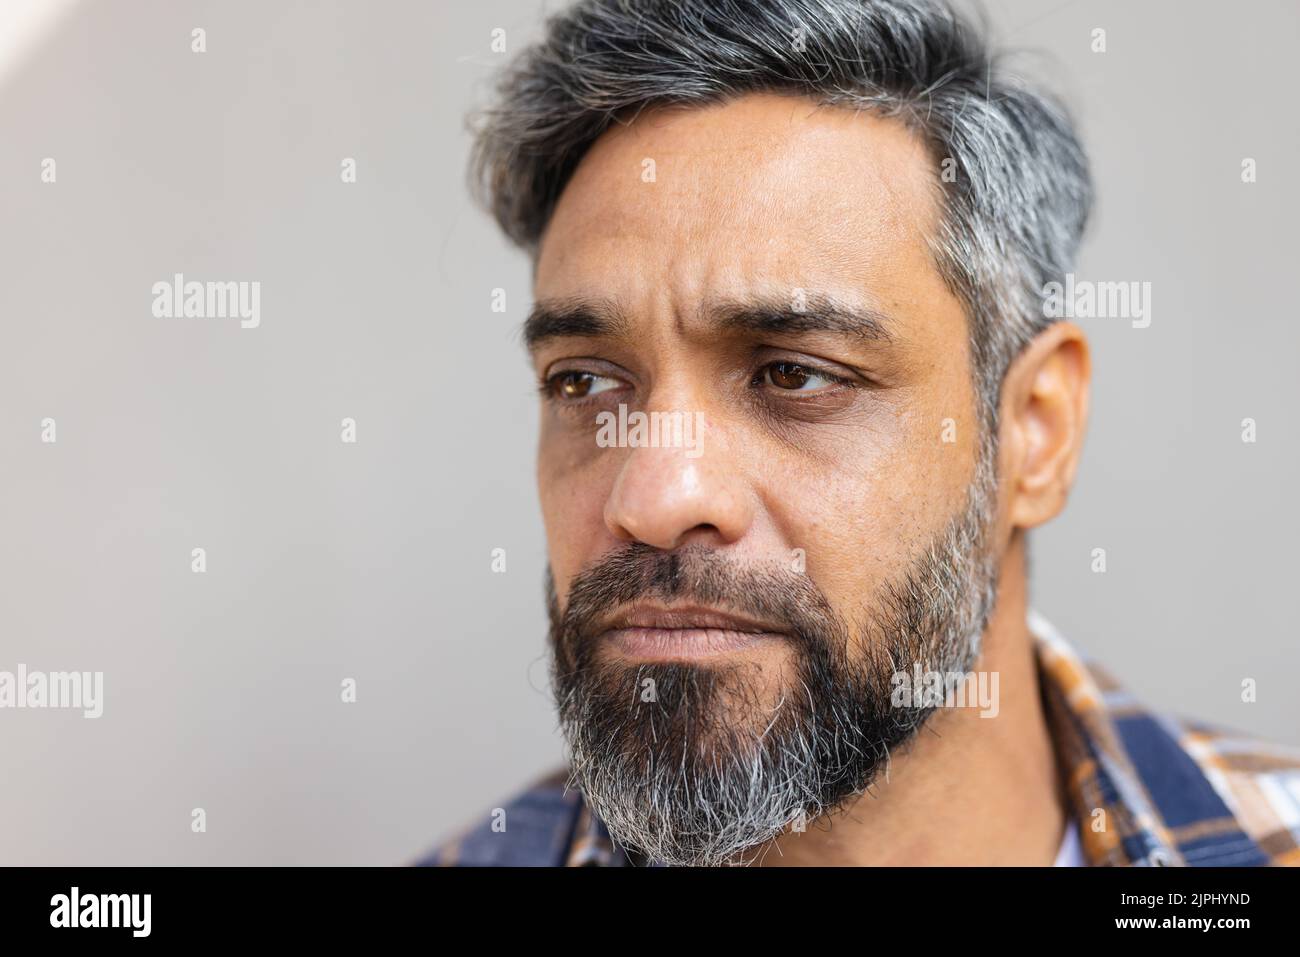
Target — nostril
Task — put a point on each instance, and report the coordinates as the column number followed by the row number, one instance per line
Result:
column 704, row 533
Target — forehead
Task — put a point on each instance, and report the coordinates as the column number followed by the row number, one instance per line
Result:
column 759, row 194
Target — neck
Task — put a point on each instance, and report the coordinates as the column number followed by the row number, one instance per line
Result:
column 970, row 789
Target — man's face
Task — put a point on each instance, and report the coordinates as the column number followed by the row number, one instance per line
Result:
column 760, row 267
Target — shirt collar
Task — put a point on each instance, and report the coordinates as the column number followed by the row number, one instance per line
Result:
column 1141, row 795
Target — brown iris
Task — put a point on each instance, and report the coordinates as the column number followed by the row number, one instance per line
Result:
column 573, row 385
column 789, row 375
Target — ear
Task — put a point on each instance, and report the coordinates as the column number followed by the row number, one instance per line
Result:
column 1044, row 414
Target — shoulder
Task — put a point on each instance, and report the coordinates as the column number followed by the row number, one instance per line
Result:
column 1257, row 780
column 1205, row 792
column 533, row 827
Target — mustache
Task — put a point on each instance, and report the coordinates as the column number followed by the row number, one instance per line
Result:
column 696, row 574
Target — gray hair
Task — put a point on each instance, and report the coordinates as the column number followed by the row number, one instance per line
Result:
column 1016, row 195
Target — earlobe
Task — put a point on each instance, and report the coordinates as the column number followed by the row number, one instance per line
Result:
column 1046, row 408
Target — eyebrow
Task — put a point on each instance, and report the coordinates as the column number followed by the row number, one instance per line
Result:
column 602, row 318
column 813, row 313
column 561, row 318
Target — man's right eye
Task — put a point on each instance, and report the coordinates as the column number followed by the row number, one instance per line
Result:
column 574, row 385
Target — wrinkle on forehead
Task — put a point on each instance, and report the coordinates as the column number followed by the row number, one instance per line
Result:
column 759, row 166
column 761, row 193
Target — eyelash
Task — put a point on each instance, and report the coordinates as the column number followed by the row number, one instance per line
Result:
column 548, row 385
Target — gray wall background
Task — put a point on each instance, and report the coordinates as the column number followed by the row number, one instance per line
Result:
column 372, row 561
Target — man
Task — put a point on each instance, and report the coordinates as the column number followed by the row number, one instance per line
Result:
column 801, row 404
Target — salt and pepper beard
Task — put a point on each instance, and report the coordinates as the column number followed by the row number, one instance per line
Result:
column 685, row 763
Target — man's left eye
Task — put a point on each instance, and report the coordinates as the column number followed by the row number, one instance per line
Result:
column 579, row 385
column 794, row 377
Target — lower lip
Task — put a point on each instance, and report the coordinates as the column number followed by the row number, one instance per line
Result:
column 664, row 644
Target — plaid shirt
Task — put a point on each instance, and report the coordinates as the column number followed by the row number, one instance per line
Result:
column 1148, row 790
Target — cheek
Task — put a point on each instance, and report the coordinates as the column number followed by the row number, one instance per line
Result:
column 572, row 490
column 863, row 513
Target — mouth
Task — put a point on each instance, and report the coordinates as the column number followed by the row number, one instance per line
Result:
column 671, row 633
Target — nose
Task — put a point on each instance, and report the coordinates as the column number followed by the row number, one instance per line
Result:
column 665, row 497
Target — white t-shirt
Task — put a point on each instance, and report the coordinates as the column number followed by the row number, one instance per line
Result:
column 1071, row 852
